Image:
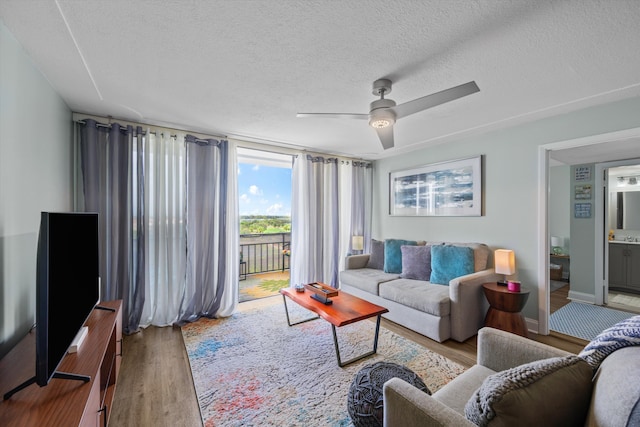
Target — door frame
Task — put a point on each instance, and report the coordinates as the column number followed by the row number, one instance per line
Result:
column 543, row 213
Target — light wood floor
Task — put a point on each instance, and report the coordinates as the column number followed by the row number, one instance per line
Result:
column 155, row 387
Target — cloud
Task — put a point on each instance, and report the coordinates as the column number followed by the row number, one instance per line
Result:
column 244, row 198
column 275, row 209
column 255, row 190
column 255, row 167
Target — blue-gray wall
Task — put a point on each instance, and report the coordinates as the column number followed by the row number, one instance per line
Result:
column 510, row 218
column 35, row 176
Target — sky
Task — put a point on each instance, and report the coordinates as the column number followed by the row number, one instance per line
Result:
column 264, row 190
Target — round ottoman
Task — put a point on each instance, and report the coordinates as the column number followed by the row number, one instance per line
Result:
column 364, row 402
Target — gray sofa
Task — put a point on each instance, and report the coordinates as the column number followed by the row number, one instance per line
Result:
column 606, row 395
column 439, row 311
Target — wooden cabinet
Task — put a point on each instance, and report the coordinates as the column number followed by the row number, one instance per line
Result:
column 624, row 267
column 66, row 402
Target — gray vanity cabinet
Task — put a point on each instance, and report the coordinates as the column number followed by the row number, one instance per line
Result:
column 624, row 267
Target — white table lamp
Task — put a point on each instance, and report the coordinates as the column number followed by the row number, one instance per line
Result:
column 357, row 243
column 505, row 263
column 557, row 244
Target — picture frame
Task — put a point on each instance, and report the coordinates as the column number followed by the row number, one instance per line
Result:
column 451, row 188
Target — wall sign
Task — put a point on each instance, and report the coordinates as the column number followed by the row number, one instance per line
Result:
column 583, row 173
column 582, row 210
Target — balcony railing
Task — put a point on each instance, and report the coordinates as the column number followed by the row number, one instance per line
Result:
column 264, row 252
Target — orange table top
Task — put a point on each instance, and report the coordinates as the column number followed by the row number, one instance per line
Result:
column 345, row 309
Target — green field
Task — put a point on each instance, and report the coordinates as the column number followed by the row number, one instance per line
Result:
column 263, row 224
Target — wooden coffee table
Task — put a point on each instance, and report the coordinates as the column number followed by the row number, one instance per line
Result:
column 344, row 310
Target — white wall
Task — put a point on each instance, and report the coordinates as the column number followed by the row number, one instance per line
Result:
column 510, row 186
column 35, row 175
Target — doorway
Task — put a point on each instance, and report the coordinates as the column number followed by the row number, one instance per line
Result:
column 599, row 148
column 264, row 195
column 622, row 226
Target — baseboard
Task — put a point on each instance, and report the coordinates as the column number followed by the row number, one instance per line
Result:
column 582, row 297
column 532, row 325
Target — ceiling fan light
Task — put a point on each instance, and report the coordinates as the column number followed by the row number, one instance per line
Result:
column 381, row 119
column 379, row 123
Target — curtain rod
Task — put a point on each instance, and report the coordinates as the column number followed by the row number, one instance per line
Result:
column 102, row 125
column 79, row 117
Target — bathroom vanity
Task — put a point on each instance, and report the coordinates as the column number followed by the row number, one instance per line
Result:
column 624, row 266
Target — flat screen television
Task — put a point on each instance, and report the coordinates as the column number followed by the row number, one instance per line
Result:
column 67, row 285
column 67, row 288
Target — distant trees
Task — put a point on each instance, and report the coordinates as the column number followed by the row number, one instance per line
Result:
column 264, row 224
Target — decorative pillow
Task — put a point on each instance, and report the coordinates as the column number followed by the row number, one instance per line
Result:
column 376, row 257
column 449, row 262
column 393, row 254
column 549, row 392
column 416, row 262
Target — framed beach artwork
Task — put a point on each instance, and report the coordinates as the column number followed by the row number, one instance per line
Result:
column 452, row 188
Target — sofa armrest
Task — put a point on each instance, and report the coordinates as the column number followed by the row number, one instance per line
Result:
column 468, row 303
column 406, row 405
column 353, row 262
column 499, row 350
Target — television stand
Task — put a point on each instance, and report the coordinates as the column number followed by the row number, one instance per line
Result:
column 66, row 403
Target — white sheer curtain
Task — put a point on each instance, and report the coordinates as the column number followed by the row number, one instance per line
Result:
column 165, row 236
column 314, row 220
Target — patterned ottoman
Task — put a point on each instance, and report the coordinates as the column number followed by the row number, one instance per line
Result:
column 364, row 402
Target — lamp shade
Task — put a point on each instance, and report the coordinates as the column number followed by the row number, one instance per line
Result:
column 557, row 241
column 505, row 261
column 357, row 243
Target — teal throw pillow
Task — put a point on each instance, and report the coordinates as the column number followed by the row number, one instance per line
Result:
column 449, row 262
column 393, row 254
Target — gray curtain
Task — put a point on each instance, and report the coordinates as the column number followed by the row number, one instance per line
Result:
column 106, row 155
column 114, row 170
column 361, row 203
column 315, row 220
column 212, row 229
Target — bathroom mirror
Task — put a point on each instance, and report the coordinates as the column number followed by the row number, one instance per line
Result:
column 624, row 211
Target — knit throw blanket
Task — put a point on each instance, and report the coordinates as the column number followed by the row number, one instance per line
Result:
column 622, row 334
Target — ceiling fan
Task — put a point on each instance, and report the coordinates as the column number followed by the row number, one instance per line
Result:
column 383, row 112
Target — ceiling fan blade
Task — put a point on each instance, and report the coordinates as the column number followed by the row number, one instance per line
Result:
column 334, row 115
column 386, row 136
column 435, row 99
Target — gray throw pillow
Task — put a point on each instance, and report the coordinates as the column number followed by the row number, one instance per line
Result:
column 549, row 392
column 376, row 257
column 416, row 262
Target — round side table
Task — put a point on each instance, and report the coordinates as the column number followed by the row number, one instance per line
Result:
column 505, row 307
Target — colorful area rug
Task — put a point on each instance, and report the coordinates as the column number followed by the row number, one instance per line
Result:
column 263, row 285
column 252, row 369
column 585, row 321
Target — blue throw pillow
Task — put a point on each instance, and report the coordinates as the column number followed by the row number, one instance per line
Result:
column 449, row 262
column 393, row 254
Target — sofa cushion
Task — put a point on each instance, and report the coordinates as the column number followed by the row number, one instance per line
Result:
column 376, row 258
column 418, row 294
column 548, row 392
column 393, row 254
column 449, row 262
column 459, row 390
column 416, row 262
column 366, row 279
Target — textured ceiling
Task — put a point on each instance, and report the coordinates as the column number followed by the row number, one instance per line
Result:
column 243, row 69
